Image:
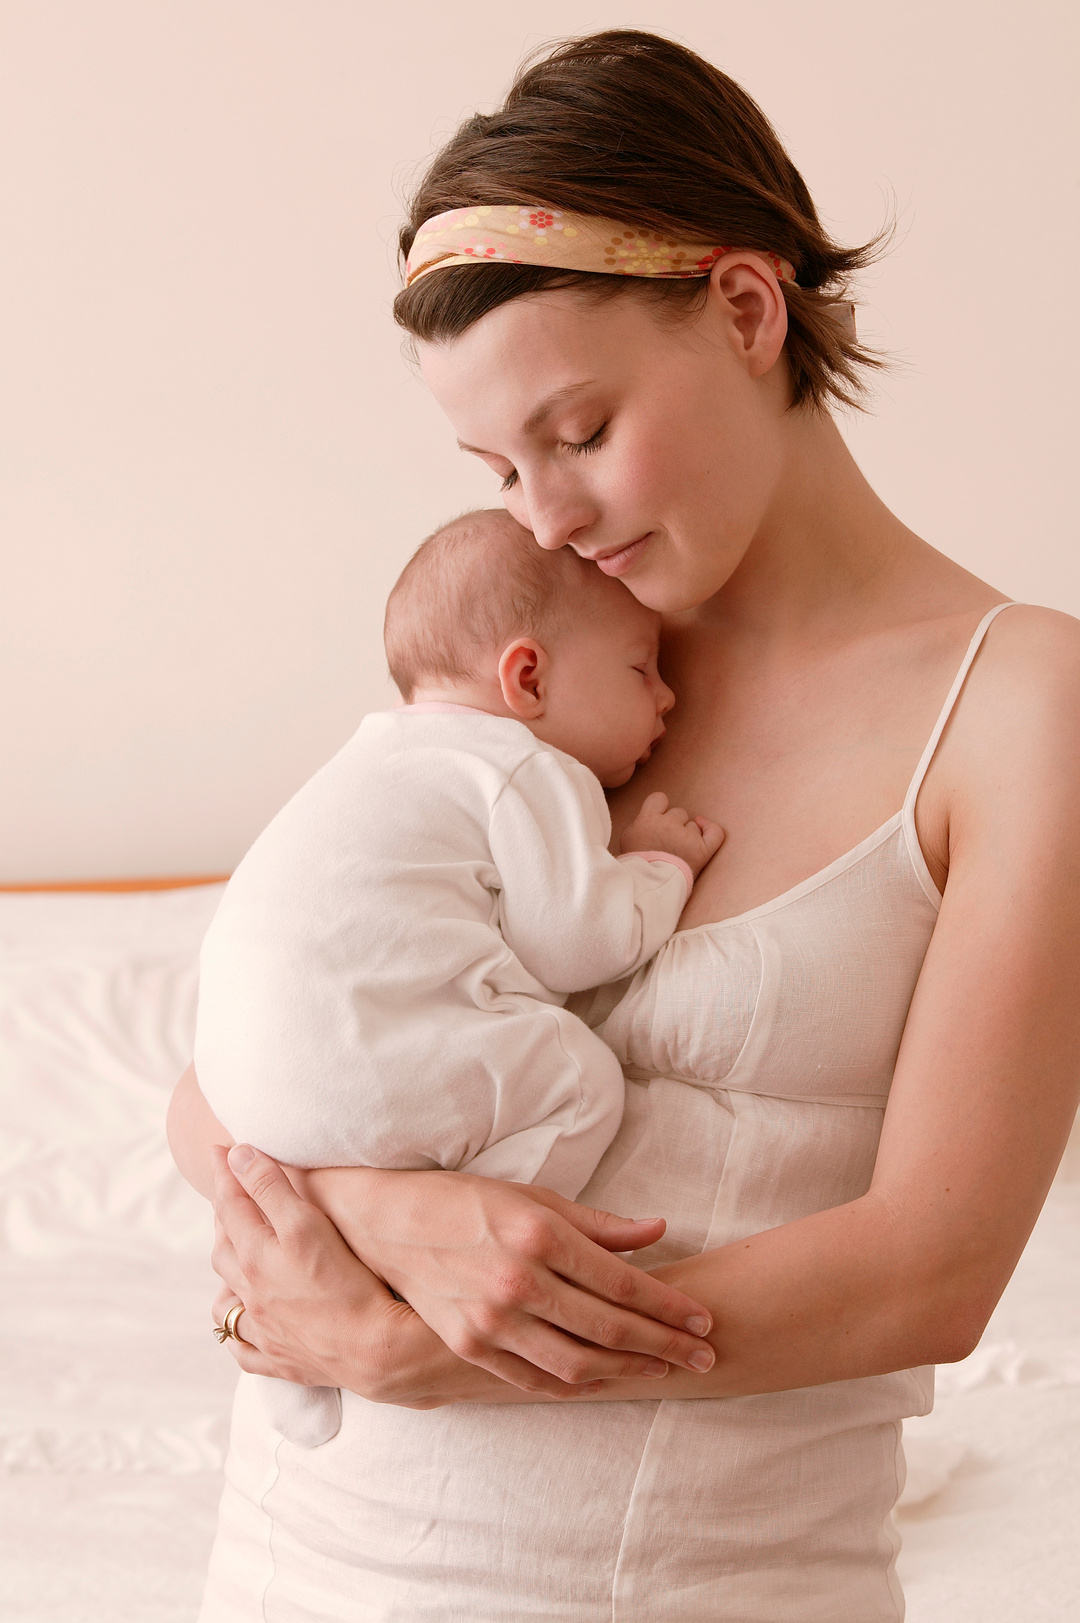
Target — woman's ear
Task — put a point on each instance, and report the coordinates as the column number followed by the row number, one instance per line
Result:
column 747, row 296
column 523, row 669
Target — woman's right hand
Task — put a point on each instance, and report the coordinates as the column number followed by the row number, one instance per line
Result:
column 515, row 1278
column 313, row 1313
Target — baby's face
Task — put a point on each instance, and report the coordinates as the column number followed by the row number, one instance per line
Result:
column 605, row 699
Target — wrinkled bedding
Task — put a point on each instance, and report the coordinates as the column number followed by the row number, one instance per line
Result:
column 114, row 1395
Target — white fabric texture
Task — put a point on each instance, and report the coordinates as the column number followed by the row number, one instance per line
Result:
column 775, row 1507
column 384, row 981
column 97, row 1009
column 114, row 1397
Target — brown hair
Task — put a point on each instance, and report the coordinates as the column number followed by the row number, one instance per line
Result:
column 468, row 589
column 637, row 128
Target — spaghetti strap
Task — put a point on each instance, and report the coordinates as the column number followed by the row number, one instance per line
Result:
column 947, row 708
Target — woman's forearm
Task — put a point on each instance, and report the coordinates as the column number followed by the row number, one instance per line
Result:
column 192, row 1128
column 832, row 1297
column 853, row 1291
column 845, row 1293
column 814, row 1301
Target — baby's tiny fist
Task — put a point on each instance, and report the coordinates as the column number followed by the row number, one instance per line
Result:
column 658, row 827
column 712, row 838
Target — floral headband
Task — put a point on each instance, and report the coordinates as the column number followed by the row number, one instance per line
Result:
column 525, row 234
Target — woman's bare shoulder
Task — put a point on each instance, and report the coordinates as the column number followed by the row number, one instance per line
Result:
column 1017, row 733
column 1011, row 751
column 1031, row 658
column 1029, row 624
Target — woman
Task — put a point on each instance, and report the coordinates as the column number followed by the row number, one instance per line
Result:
column 892, row 921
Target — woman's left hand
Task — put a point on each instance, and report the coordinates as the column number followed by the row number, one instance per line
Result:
column 314, row 1314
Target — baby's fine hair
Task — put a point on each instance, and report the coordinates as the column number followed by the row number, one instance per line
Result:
column 468, row 589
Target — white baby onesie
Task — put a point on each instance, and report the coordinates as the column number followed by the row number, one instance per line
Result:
column 383, row 982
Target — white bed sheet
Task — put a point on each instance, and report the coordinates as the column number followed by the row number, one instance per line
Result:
column 114, row 1395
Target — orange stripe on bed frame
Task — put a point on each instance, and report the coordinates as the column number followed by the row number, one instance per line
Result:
column 118, row 884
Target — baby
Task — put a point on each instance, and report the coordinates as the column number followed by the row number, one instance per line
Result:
column 385, row 978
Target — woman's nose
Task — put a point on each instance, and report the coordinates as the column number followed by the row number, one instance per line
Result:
column 556, row 517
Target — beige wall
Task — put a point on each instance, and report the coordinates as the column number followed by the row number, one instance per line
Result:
column 213, row 459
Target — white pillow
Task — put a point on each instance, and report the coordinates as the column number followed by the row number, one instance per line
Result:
column 97, row 1015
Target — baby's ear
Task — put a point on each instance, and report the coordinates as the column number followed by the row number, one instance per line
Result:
column 523, row 667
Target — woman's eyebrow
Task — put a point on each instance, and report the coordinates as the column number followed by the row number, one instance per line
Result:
column 537, row 418
column 547, row 406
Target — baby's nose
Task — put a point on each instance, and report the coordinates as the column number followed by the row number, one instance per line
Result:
column 664, row 699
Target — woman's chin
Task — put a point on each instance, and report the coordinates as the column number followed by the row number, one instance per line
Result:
column 667, row 591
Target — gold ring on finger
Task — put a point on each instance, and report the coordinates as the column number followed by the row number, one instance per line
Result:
column 227, row 1330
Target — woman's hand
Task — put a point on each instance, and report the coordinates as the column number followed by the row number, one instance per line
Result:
column 516, row 1279
column 313, row 1313
column 501, row 1265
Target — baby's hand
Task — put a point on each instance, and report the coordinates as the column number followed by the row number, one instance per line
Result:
column 658, row 827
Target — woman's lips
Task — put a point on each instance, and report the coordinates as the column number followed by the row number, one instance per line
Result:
column 617, row 563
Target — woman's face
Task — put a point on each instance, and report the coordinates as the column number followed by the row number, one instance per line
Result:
column 653, row 447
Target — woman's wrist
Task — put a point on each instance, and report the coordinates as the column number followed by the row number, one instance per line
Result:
column 351, row 1197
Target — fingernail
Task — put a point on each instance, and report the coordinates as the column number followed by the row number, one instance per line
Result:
column 702, row 1359
column 699, row 1326
column 589, row 1391
column 241, row 1157
column 655, row 1368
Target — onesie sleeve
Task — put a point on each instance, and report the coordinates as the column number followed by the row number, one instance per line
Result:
column 575, row 915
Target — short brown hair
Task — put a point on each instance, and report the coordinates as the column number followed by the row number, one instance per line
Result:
column 468, row 589
column 637, row 128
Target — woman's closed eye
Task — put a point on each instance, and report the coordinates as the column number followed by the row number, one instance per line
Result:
column 583, row 447
column 575, row 447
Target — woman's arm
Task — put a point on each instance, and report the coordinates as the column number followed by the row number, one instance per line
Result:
column 448, row 1237
column 193, row 1130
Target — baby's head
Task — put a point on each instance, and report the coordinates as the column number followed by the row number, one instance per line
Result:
column 482, row 616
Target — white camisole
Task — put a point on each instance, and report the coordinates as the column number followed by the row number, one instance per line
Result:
column 758, row 1052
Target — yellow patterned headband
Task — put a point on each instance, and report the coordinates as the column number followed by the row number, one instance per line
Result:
column 523, row 234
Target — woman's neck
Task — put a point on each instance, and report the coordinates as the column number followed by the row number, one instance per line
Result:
column 828, row 554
